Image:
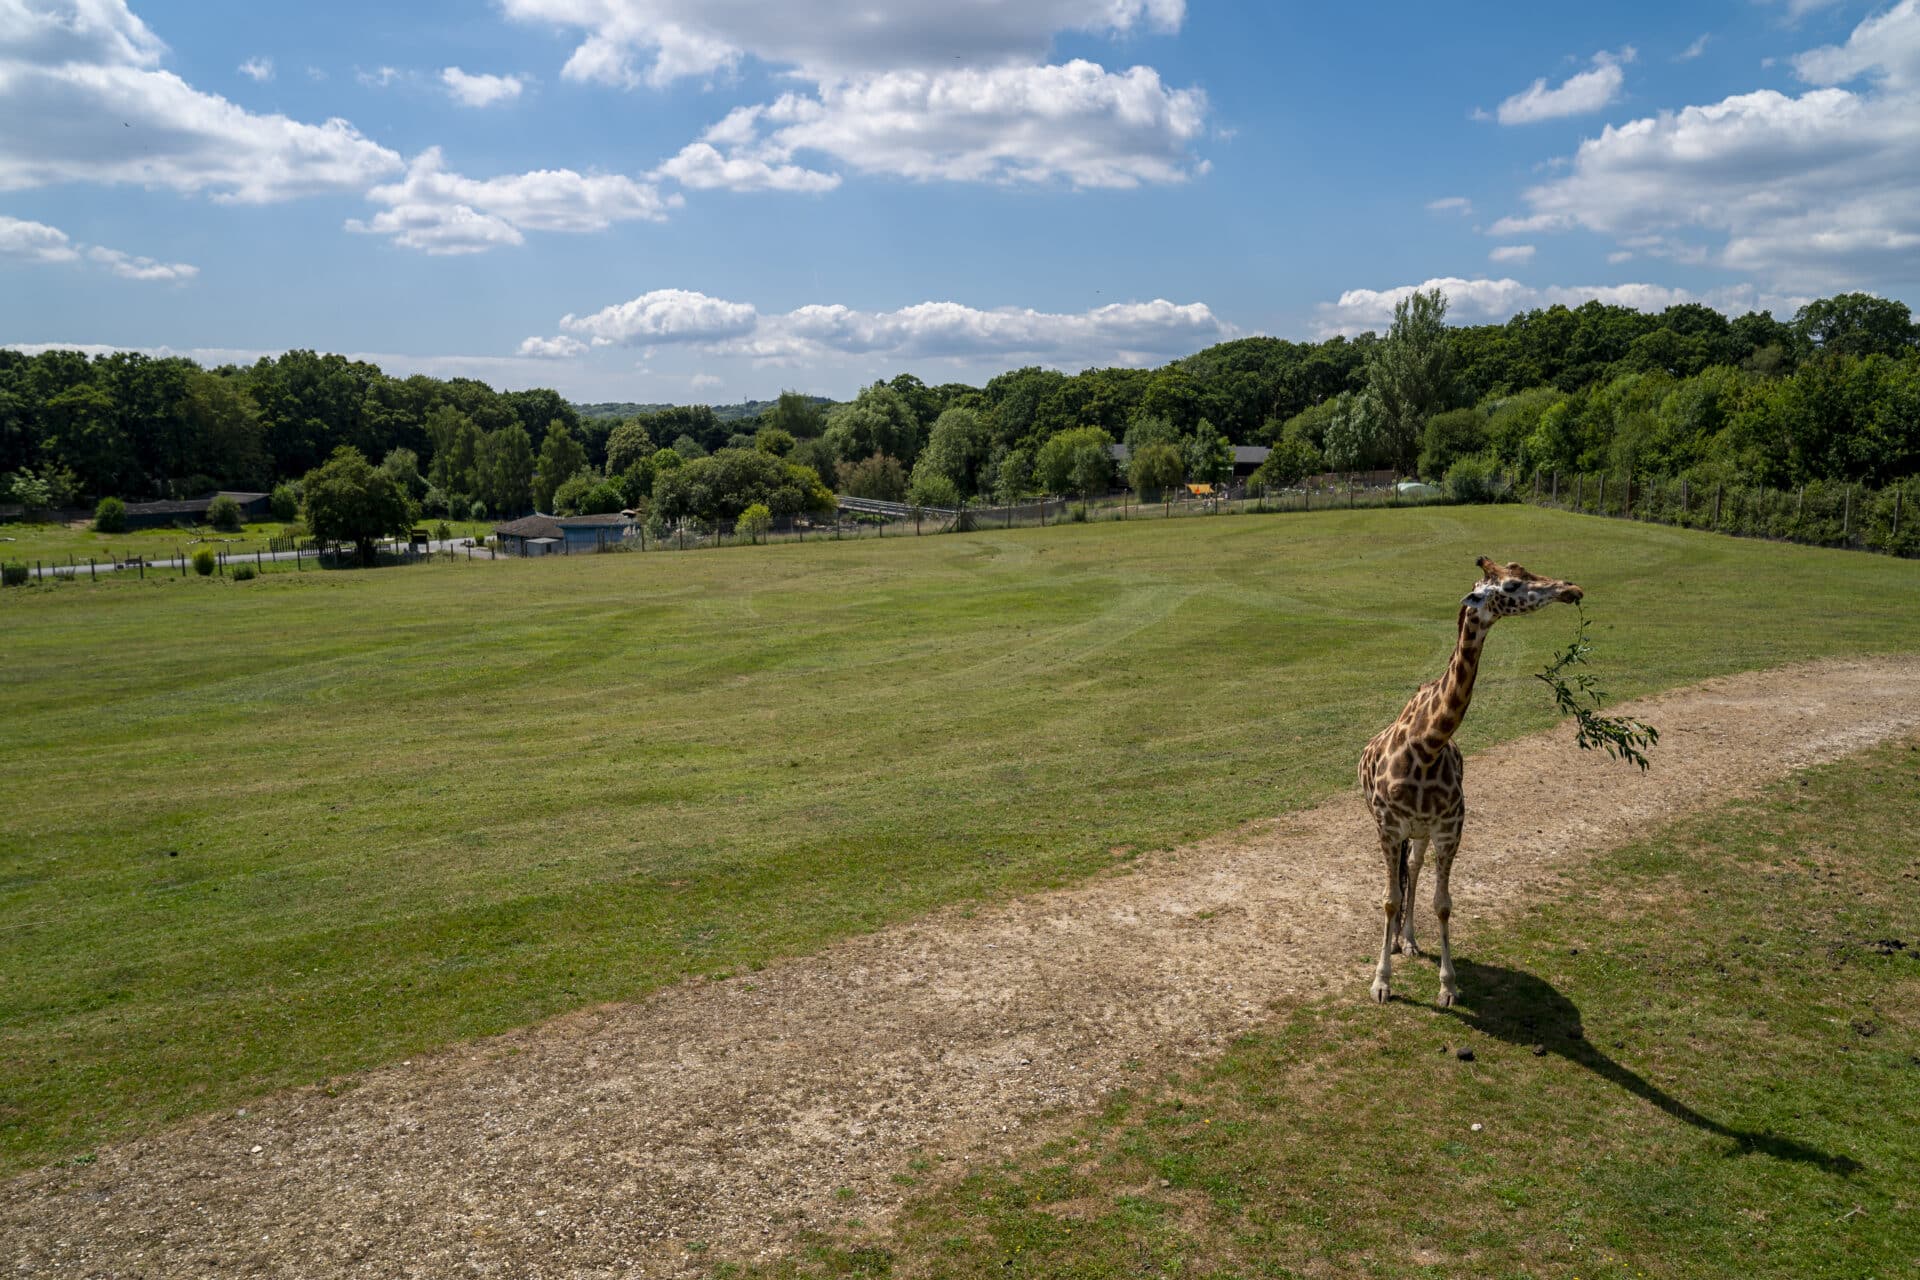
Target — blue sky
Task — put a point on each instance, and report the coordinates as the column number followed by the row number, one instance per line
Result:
column 714, row 199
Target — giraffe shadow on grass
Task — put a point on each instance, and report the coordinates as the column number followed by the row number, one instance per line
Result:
column 1515, row 1006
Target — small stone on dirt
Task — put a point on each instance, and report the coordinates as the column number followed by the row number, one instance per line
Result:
column 1464, row 1054
column 1539, row 1051
column 1477, row 1126
column 256, row 1151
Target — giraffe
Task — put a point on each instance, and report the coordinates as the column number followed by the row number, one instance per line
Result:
column 1410, row 772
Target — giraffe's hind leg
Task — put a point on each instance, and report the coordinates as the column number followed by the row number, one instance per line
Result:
column 1392, row 848
column 1410, row 896
column 1444, row 847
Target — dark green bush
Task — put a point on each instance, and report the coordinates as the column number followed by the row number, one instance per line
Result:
column 284, row 503
column 1476, row 479
column 224, row 514
column 243, row 573
column 13, row 575
column 204, row 562
column 110, row 516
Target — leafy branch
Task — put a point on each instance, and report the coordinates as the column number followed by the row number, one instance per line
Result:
column 1578, row 694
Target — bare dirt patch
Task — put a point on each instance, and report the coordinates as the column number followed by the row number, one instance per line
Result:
column 719, row 1119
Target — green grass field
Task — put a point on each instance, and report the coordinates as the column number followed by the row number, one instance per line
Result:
column 1724, row 1084
column 265, row 834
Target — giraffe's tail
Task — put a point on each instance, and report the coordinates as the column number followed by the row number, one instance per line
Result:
column 1406, row 848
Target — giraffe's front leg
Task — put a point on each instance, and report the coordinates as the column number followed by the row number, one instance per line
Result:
column 1390, row 843
column 1444, row 847
column 1410, row 896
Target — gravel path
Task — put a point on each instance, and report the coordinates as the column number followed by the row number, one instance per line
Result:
column 730, row 1115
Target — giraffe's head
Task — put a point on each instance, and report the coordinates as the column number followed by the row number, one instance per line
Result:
column 1507, row 589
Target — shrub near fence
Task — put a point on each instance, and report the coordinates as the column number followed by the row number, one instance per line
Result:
column 1823, row 513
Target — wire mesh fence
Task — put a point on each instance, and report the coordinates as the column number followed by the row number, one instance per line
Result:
column 1823, row 513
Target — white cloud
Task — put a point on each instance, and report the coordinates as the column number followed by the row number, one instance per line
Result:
column 1694, row 50
column 1885, row 46
column 1812, row 193
column 705, row 382
column 34, row 242
column 1450, row 204
column 922, row 89
column 132, row 267
column 821, row 38
column 1127, row 333
column 1590, row 90
column 380, row 77
column 86, row 73
column 441, row 212
column 1076, row 122
column 257, row 69
column 471, row 90
column 37, row 242
column 557, row 348
column 731, row 155
column 664, row 316
column 1512, row 253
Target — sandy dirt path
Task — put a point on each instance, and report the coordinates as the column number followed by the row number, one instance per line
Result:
column 729, row 1115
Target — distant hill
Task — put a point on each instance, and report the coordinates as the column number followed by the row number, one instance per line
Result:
column 724, row 412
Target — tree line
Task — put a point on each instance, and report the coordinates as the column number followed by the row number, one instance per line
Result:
column 1832, row 394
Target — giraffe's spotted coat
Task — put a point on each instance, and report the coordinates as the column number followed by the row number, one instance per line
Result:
column 1410, row 773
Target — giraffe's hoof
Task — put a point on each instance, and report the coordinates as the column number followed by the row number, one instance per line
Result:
column 1381, row 992
column 1446, row 998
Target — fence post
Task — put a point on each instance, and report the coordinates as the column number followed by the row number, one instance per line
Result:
column 92, row 573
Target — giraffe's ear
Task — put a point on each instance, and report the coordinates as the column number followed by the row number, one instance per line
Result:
column 1488, row 569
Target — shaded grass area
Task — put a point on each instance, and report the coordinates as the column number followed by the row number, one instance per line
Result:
column 265, row 835
column 1703, row 1062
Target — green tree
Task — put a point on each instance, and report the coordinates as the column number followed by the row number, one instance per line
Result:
column 1409, row 378
column 797, row 415
column 719, row 487
column 628, row 444
column 774, row 440
column 688, row 447
column 1209, row 455
column 504, row 468
column 456, row 442
column 932, row 488
column 1291, row 461
column 1155, row 468
column 1013, row 479
column 879, row 420
column 350, row 500
column 878, row 477
column 223, row 513
column 110, row 516
column 956, row 448
column 1856, row 324
column 1449, row 436
column 561, row 457
column 571, row 496
column 754, row 522
column 1076, row 461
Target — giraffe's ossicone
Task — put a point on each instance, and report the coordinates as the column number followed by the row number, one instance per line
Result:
column 1410, row 773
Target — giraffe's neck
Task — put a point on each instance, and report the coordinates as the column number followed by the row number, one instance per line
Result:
column 1456, row 686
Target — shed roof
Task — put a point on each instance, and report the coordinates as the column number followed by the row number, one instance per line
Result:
column 533, row 526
